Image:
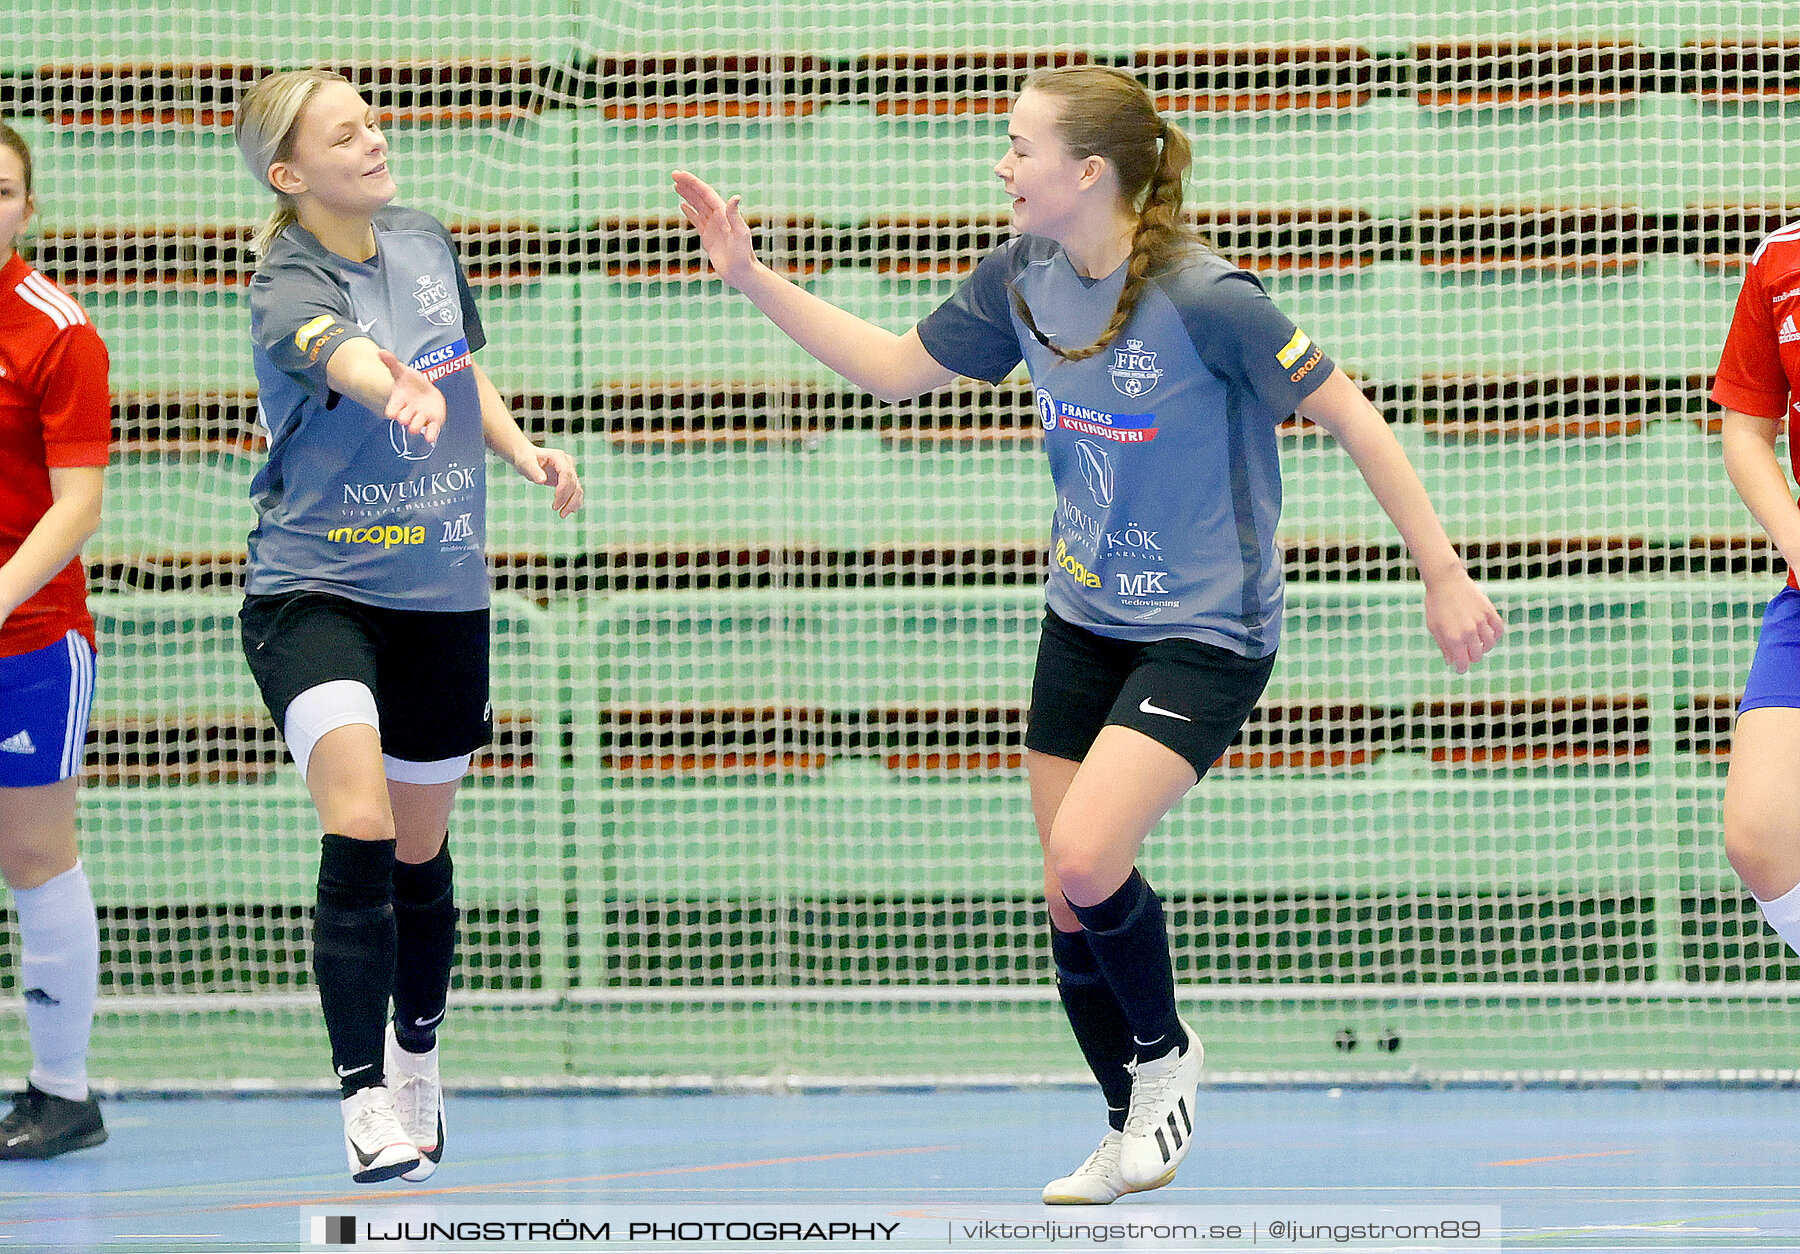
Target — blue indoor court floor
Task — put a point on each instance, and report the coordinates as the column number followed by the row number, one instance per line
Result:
column 1569, row 1169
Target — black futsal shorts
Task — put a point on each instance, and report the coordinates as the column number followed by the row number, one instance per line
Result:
column 1190, row 696
column 427, row 669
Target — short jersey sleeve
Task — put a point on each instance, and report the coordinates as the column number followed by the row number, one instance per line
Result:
column 77, row 403
column 300, row 316
column 972, row 333
column 1750, row 377
column 473, row 330
column 1245, row 339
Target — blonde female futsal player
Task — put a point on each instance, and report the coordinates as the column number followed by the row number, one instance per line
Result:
column 55, row 437
column 366, row 618
column 1161, row 373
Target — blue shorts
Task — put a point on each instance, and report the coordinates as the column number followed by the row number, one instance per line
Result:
column 1775, row 673
column 45, row 697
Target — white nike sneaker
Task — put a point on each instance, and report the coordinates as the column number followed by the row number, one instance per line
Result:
column 419, row 1103
column 1097, row 1181
column 374, row 1141
column 1159, row 1126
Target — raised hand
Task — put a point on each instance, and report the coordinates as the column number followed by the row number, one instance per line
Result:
column 415, row 403
column 723, row 232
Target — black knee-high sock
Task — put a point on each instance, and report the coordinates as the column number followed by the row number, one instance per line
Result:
column 353, row 953
column 425, row 920
column 1130, row 942
column 1095, row 1015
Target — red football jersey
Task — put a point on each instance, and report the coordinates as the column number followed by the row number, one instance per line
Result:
column 55, row 410
column 1761, row 360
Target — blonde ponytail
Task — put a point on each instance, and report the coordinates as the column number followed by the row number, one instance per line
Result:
column 268, row 115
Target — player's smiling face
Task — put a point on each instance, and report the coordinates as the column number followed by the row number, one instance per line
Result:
column 340, row 155
column 1043, row 178
column 15, row 204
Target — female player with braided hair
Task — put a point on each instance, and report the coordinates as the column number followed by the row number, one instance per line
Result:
column 1161, row 373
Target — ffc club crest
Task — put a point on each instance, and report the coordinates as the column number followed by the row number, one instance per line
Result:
column 1133, row 369
column 434, row 301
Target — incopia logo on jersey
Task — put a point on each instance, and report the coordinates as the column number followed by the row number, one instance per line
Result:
column 1076, row 569
column 386, row 537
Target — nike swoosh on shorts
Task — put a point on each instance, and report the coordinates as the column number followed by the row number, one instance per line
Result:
column 1145, row 707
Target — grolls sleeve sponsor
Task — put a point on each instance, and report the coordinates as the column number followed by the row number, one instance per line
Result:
column 1246, row 340
column 300, row 316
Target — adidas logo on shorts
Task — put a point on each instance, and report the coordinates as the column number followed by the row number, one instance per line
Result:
column 18, row 742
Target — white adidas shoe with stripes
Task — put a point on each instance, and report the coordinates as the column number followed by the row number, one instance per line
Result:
column 1097, row 1181
column 1159, row 1126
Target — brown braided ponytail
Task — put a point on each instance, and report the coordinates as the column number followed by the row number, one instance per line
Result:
column 1108, row 114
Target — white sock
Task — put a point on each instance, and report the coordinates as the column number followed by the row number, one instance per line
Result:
column 1783, row 915
column 60, row 975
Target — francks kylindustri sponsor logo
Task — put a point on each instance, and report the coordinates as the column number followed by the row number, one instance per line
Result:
column 435, row 363
column 1119, row 428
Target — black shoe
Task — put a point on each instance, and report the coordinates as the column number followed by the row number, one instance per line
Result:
column 43, row 1125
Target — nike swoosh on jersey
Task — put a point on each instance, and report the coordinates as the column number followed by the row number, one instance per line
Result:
column 1145, row 707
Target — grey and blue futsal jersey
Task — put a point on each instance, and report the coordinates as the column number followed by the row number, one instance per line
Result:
column 349, row 501
column 1162, row 446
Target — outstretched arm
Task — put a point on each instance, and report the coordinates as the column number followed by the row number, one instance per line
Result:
column 893, row 367
column 379, row 381
column 1457, row 613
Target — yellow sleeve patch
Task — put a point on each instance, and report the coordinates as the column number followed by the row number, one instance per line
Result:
column 304, row 337
column 1293, row 350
